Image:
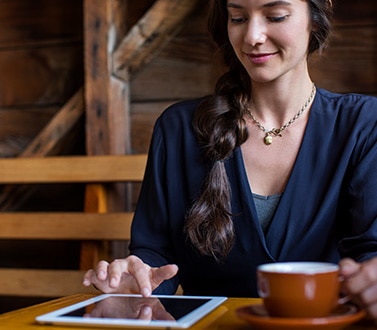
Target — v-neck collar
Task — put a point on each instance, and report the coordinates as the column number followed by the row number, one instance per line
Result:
column 281, row 224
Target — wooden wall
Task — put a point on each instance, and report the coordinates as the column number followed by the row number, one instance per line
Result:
column 41, row 65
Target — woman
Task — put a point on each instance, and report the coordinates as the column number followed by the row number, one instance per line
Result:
column 269, row 168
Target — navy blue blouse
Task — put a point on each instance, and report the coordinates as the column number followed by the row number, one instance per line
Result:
column 327, row 211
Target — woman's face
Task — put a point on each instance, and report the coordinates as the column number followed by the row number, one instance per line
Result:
column 270, row 37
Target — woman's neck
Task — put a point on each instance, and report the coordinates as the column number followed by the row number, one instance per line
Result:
column 276, row 103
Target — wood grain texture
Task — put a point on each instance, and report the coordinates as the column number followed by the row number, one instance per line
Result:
column 106, row 97
column 65, row 226
column 39, row 22
column 41, row 76
column 65, row 169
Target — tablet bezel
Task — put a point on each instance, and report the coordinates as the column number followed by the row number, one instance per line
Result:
column 56, row 317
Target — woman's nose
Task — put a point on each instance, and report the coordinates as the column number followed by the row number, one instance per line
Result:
column 256, row 32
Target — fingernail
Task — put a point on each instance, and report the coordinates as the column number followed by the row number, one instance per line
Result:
column 145, row 292
column 146, row 311
column 346, row 270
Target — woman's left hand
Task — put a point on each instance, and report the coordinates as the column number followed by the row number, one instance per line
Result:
column 360, row 283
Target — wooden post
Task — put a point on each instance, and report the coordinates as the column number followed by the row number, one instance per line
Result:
column 107, row 97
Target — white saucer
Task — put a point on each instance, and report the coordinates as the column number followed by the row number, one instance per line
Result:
column 342, row 316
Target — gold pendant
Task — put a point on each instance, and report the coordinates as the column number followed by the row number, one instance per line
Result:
column 267, row 140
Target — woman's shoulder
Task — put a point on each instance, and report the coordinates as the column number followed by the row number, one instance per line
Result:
column 181, row 109
column 346, row 99
column 351, row 113
column 176, row 119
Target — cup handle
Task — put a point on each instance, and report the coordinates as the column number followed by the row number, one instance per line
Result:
column 344, row 300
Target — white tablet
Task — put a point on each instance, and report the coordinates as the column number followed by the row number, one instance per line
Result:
column 126, row 310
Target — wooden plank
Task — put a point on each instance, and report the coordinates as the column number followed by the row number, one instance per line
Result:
column 25, row 23
column 68, row 169
column 40, row 76
column 182, row 80
column 26, row 282
column 152, row 32
column 65, row 225
column 190, row 48
column 24, row 121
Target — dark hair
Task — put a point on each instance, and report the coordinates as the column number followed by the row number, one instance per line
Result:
column 220, row 128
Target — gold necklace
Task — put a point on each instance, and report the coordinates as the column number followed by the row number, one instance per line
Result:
column 277, row 131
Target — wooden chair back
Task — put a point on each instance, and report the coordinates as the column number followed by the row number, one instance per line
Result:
column 93, row 226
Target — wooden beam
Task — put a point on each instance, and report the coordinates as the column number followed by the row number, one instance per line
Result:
column 57, row 128
column 159, row 25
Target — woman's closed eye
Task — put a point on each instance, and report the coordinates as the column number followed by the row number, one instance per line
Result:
column 277, row 19
column 272, row 19
column 237, row 20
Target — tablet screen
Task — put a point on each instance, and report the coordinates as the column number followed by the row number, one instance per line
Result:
column 122, row 310
column 131, row 308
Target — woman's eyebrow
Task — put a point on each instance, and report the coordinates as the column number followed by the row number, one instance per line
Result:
column 233, row 5
column 269, row 4
column 277, row 3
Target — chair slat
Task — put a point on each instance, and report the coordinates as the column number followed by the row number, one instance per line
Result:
column 42, row 282
column 65, row 226
column 69, row 169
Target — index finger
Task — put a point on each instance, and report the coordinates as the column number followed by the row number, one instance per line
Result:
column 141, row 273
column 348, row 267
column 363, row 277
column 87, row 278
column 130, row 275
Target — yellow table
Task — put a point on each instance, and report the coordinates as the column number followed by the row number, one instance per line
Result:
column 222, row 318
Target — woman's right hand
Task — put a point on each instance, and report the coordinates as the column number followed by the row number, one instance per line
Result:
column 129, row 275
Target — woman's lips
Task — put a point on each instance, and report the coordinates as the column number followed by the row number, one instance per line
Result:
column 260, row 58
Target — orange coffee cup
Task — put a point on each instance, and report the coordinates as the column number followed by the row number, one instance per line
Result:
column 299, row 289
